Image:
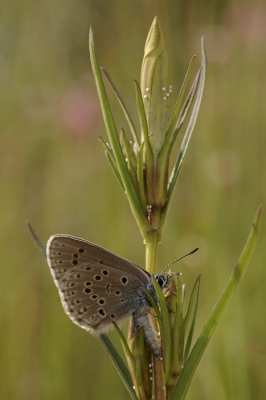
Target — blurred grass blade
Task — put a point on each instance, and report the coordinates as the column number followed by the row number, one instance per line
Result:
column 189, row 130
column 118, row 363
column 123, row 106
column 192, row 311
column 36, row 239
column 216, row 314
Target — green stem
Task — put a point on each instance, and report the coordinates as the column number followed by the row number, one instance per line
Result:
column 151, row 252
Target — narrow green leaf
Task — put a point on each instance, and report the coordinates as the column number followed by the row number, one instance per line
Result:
column 142, row 117
column 140, row 176
column 155, row 306
column 138, row 371
column 108, row 150
column 114, row 169
column 188, row 133
column 216, row 314
column 125, row 345
column 145, row 387
column 118, row 363
column 176, row 109
column 166, row 332
column 132, row 195
column 186, row 106
column 123, row 106
column 192, row 311
column 111, row 159
column 131, row 159
column 177, row 327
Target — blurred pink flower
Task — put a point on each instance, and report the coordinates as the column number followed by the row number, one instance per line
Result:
column 79, row 111
column 247, row 19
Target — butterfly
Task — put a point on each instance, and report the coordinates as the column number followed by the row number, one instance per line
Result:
column 97, row 287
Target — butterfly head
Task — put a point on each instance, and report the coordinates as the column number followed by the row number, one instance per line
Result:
column 162, row 280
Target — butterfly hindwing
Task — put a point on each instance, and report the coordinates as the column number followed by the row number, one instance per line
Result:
column 96, row 286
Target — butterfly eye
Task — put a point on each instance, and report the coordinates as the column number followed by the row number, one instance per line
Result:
column 160, row 280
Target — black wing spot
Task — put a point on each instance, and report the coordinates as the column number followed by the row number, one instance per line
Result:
column 88, row 283
column 88, row 268
column 82, row 310
column 75, row 255
column 105, row 272
column 107, row 288
column 81, row 250
column 112, row 316
column 117, row 292
column 87, row 290
column 101, row 301
column 94, row 296
column 97, row 277
column 124, row 280
column 101, row 312
column 75, row 262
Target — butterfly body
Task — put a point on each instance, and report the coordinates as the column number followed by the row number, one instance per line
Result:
column 98, row 287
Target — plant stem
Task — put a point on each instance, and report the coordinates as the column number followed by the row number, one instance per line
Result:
column 151, row 252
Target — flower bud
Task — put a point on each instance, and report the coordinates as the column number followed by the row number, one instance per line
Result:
column 154, row 86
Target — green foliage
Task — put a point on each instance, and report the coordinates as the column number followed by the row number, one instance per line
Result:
column 52, row 169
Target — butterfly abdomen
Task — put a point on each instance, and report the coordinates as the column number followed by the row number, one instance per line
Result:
column 143, row 318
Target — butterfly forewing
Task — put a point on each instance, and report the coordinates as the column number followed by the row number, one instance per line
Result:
column 95, row 285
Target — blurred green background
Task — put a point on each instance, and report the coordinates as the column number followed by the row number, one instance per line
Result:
column 54, row 173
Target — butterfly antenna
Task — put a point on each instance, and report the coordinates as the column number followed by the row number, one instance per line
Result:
column 178, row 259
